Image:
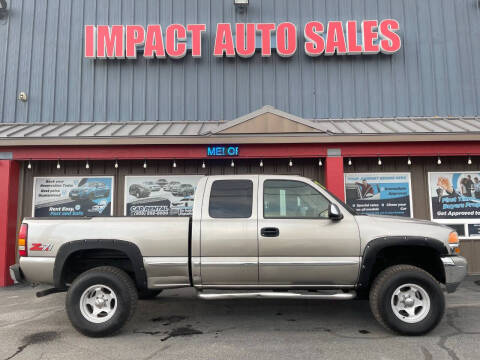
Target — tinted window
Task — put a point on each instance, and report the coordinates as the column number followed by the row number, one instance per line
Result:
column 293, row 199
column 231, row 199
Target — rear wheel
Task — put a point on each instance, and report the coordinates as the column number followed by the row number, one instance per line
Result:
column 100, row 301
column 407, row 299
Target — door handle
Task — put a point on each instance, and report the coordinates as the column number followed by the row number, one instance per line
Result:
column 269, row 232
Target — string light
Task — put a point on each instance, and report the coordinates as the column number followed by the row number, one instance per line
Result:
column 174, row 164
column 349, row 161
column 203, row 165
column 87, row 165
column 290, row 163
column 469, row 162
column 29, row 166
column 409, row 161
column 116, row 164
column 320, row 163
column 261, row 163
column 58, row 164
column 232, row 164
column 145, row 164
column 379, row 162
column 439, row 161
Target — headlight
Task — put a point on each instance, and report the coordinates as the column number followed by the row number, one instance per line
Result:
column 453, row 242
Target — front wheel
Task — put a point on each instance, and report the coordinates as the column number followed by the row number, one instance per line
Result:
column 100, row 301
column 407, row 299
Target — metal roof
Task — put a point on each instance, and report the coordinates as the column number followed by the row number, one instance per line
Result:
column 263, row 125
column 368, row 126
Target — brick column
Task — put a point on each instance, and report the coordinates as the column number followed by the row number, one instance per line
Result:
column 9, row 177
column 334, row 175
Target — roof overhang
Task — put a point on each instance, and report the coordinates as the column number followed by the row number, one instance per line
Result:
column 266, row 126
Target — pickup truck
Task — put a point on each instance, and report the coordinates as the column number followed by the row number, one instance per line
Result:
column 249, row 236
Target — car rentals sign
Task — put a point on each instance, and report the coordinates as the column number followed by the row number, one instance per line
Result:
column 243, row 39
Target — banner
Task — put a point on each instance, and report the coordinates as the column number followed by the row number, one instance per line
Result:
column 72, row 196
column 170, row 195
column 379, row 193
column 454, row 196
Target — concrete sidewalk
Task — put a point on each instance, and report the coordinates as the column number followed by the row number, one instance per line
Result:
column 178, row 326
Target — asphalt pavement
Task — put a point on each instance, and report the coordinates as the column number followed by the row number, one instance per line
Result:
column 177, row 325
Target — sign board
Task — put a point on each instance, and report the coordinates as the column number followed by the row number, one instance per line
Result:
column 156, row 41
column 379, row 193
column 168, row 195
column 74, row 196
column 454, row 196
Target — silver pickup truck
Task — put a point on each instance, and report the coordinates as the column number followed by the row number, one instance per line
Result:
column 250, row 236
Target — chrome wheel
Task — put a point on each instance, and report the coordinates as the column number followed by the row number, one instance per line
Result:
column 98, row 303
column 410, row 303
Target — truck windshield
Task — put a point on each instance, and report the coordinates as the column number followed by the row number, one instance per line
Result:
column 346, row 206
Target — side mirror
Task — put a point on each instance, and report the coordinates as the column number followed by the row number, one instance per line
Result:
column 334, row 213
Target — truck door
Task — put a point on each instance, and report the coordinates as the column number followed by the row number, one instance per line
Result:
column 298, row 243
column 228, row 235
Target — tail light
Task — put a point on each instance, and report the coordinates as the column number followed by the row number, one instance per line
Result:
column 22, row 240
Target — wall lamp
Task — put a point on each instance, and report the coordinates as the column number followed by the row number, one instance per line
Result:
column 239, row 4
column 4, row 10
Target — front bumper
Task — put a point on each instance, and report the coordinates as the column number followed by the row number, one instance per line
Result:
column 455, row 271
column 16, row 274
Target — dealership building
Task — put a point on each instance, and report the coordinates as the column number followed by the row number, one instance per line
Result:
column 108, row 106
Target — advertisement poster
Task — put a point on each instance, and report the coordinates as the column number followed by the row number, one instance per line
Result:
column 454, row 196
column 379, row 193
column 168, row 195
column 72, row 196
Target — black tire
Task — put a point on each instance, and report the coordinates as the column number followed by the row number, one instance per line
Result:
column 148, row 294
column 126, row 296
column 383, row 289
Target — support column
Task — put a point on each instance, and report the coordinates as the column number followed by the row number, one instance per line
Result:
column 9, row 177
column 334, row 175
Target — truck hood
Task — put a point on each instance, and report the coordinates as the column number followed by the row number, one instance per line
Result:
column 372, row 227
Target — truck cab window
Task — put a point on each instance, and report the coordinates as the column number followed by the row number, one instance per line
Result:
column 231, row 199
column 293, row 200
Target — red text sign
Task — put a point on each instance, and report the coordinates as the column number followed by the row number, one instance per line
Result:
column 243, row 39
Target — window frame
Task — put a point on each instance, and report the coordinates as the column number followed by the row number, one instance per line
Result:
column 288, row 217
column 252, row 198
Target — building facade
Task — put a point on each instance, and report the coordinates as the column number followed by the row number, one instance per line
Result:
column 128, row 102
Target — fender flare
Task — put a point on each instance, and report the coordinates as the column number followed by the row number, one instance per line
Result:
column 131, row 250
column 374, row 246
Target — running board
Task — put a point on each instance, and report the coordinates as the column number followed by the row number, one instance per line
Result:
column 276, row 295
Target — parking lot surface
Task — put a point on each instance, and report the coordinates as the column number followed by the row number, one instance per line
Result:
column 176, row 325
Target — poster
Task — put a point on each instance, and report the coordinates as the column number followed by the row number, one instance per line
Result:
column 379, row 193
column 74, row 196
column 168, row 195
column 454, row 196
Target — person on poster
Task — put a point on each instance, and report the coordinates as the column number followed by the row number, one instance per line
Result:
column 476, row 187
column 444, row 185
column 469, row 185
column 365, row 188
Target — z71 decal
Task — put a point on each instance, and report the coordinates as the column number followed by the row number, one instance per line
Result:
column 41, row 247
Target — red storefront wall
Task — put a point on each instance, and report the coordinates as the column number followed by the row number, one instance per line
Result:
column 334, row 171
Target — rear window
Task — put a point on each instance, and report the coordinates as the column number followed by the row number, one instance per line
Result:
column 231, row 199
